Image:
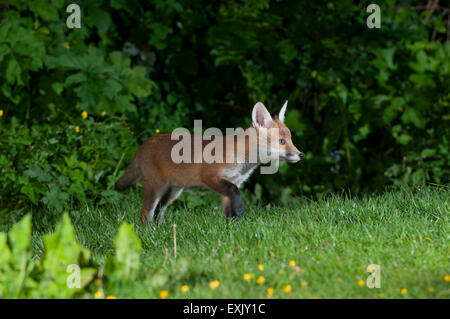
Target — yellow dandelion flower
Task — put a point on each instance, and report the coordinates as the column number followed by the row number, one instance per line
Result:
column 111, row 297
column 67, row 45
column 77, row 129
column 403, row 291
column 103, row 113
column 292, row 263
column 270, row 291
column 97, row 282
column 447, row 278
column 246, row 277
column 260, row 280
column 163, row 294
column 1, row 113
column 304, row 283
column 184, row 288
column 98, row 294
column 214, row 284
column 361, row 283
column 84, row 114
column 261, row 267
column 157, row 131
column 287, row 289
column 431, row 289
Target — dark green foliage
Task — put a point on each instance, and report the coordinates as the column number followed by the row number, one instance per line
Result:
column 369, row 107
column 49, row 164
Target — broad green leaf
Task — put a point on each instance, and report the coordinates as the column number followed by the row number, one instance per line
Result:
column 6, row 90
column 112, row 88
column 4, row 50
column 137, row 84
column 379, row 99
column 55, row 198
column 422, row 80
column 5, row 252
column 385, row 58
column 119, row 61
column 13, row 72
column 58, row 87
column 45, row 9
column 404, row 138
column 29, row 190
column 428, row 152
column 20, row 234
column 410, row 115
column 100, row 18
column 75, row 79
column 123, row 102
column 419, row 176
column 288, row 51
column 389, row 113
column 128, row 247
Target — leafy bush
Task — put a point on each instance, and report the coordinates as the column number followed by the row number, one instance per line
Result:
column 369, row 107
column 49, row 165
column 22, row 276
column 53, row 275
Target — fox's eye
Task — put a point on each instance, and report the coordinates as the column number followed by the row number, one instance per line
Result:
column 282, row 141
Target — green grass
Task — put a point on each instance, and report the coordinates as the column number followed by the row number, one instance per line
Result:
column 332, row 241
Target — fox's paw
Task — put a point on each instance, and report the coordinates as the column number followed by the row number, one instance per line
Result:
column 238, row 209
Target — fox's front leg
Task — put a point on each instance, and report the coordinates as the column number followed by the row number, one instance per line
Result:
column 226, row 205
column 237, row 204
column 233, row 205
column 232, row 209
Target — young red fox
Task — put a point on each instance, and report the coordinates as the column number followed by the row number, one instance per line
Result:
column 154, row 166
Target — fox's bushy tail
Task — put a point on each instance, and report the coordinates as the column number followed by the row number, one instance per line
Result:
column 129, row 178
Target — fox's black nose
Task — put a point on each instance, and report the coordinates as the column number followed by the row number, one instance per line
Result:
column 301, row 155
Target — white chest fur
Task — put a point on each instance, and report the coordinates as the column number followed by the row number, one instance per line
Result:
column 239, row 173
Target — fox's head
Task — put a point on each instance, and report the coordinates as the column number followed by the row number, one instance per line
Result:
column 274, row 134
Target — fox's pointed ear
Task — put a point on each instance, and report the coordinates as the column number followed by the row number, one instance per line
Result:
column 260, row 116
column 282, row 112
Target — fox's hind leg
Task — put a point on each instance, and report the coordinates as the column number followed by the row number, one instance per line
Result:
column 152, row 193
column 174, row 193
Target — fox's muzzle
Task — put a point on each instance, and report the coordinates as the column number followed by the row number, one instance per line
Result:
column 293, row 157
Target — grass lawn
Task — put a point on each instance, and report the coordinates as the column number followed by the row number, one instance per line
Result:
column 332, row 241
